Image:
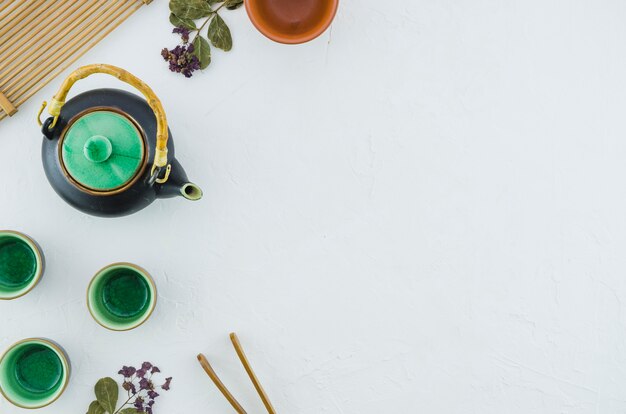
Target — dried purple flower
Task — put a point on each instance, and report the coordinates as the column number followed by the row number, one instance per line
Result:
column 130, row 387
column 146, row 384
column 182, row 60
column 140, row 387
column 183, row 32
column 166, row 386
column 127, row 372
column 218, row 34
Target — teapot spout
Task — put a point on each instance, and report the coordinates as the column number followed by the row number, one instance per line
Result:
column 179, row 185
column 191, row 191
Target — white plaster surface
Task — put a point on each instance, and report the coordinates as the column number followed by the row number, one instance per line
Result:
column 422, row 211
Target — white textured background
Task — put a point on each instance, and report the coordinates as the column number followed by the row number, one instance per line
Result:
column 422, row 211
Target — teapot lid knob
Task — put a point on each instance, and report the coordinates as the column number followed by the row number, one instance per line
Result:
column 98, row 149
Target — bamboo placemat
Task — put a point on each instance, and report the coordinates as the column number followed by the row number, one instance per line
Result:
column 39, row 39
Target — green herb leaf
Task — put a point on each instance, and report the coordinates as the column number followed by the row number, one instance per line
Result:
column 212, row 2
column 190, row 9
column 202, row 50
column 129, row 411
column 107, row 392
column 95, row 408
column 219, row 33
column 180, row 22
column 233, row 4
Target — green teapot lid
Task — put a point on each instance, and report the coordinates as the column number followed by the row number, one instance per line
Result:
column 102, row 150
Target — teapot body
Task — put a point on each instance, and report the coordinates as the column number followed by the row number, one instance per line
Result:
column 141, row 189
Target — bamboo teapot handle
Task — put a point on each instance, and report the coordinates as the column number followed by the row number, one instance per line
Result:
column 160, row 156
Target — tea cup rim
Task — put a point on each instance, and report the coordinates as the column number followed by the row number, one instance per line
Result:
column 286, row 39
column 63, row 357
column 144, row 274
column 34, row 246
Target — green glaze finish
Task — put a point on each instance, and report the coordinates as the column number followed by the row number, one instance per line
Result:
column 102, row 150
column 18, row 264
column 33, row 373
column 126, row 294
column 38, row 370
column 21, row 264
column 121, row 296
column 98, row 149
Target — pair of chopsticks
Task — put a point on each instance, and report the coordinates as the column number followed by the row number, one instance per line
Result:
column 246, row 364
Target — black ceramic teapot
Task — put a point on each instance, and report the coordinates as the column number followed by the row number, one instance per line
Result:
column 108, row 152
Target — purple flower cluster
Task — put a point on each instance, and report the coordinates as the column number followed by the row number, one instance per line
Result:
column 182, row 59
column 184, row 33
column 140, row 387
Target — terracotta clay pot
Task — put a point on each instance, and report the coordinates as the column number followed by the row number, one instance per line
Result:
column 291, row 21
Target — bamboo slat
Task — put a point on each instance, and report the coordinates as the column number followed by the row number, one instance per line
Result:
column 6, row 105
column 39, row 39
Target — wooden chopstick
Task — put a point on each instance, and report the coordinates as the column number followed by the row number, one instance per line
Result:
column 246, row 364
column 220, row 385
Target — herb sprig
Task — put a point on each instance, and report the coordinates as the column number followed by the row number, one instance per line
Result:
column 195, row 53
column 139, row 386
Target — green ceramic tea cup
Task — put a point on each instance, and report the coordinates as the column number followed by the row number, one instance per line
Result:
column 34, row 373
column 21, row 264
column 121, row 296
